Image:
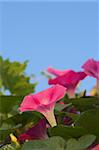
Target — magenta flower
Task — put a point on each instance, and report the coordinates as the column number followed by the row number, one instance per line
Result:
column 96, row 147
column 44, row 102
column 36, row 132
column 91, row 68
column 69, row 80
column 57, row 72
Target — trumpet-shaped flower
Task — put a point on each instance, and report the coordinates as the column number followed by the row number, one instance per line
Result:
column 44, row 102
column 91, row 68
column 36, row 132
column 69, row 80
column 57, row 72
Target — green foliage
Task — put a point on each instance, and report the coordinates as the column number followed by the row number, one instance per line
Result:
column 58, row 143
column 53, row 143
column 9, row 103
column 19, row 122
column 14, row 79
column 83, row 104
column 85, row 123
column 81, row 144
column 9, row 106
column 11, row 119
column 89, row 120
column 59, row 107
column 81, row 133
column 67, row 132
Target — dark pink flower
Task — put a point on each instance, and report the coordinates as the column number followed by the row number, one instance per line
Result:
column 96, row 147
column 36, row 132
column 69, row 80
column 57, row 72
column 44, row 102
column 91, row 68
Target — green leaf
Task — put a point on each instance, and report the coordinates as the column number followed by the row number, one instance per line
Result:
column 80, row 144
column 24, row 120
column 58, row 143
column 53, row 143
column 62, row 114
column 4, row 134
column 60, row 107
column 67, row 131
column 21, row 120
column 7, row 103
column 83, row 104
column 89, row 120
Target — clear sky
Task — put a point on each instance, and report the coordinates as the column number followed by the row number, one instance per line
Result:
column 59, row 34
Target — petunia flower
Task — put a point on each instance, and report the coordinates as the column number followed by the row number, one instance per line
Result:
column 57, row 72
column 91, row 68
column 69, row 80
column 44, row 102
column 36, row 132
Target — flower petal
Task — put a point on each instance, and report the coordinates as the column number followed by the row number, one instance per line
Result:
column 57, row 72
column 36, row 132
column 91, row 67
column 43, row 100
column 68, row 80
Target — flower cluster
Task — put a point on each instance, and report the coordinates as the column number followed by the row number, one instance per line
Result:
column 70, row 78
column 64, row 82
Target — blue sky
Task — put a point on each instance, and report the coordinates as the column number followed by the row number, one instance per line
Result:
column 59, row 34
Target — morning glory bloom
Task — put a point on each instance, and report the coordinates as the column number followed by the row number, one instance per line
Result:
column 44, row 102
column 69, row 80
column 91, row 68
column 38, row 131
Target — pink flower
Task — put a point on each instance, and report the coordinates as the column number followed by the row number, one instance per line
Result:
column 44, row 102
column 96, row 147
column 69, row 80
column 91, row 68
column 36, row 132
column 57, row 72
